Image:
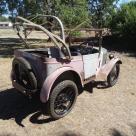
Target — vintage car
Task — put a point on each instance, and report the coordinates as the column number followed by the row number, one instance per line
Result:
column 60, row 72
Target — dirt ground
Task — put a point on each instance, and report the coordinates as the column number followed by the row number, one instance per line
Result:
column 98, row 111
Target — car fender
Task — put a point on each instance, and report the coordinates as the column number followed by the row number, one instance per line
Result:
column 104, row 71
column 49, row 81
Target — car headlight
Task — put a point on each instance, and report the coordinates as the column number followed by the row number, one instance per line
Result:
column 111, row 56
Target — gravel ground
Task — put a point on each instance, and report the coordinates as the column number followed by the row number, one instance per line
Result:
column 110, row 111
column 98, row 112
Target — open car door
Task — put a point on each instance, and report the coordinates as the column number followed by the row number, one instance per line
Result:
column 91, row 62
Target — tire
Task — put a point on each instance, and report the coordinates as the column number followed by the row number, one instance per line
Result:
column 113, row 75
column 23, row 74
column 64, row 97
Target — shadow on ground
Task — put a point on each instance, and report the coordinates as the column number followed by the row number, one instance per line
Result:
column 70, row 133
column 115, row 132
column 10, row 41
column 14, row 105
column 112, row 43
column 8, row 45
column 7, row 134
column 120, row 44
column 97, row 84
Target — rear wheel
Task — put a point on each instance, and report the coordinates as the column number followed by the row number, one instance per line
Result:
column 114, row 75
column 62, row 99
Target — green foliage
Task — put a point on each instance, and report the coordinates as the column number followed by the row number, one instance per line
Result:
column 124, row 20
column 101, row 11
column 76, row 34
column 2, row 7
column 3, row 19
column 22, row 7
column 72, row 12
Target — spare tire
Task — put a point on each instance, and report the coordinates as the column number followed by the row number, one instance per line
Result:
column 23, row 74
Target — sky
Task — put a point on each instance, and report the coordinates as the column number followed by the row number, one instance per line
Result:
column 125, row 1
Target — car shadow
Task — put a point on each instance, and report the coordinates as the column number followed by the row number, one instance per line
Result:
column 97, row 84
column 100, row 85
column 14, row 105
column 35, row 118
column 70, row 133
column 115, row 132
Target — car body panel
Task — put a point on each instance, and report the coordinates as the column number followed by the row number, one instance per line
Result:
column 48, row 83
column 46, row 66
column 49, row 69
column 90, row 64
column 52, row 63
column 104, row 71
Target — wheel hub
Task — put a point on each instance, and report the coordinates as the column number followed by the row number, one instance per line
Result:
column 64, row 101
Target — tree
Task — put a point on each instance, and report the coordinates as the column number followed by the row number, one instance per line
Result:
column 22, row 7
column 2, row 7
column 101, row 11
column 72, row 12
column 124, row 20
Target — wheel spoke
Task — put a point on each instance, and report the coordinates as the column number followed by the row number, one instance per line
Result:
column 64, row 101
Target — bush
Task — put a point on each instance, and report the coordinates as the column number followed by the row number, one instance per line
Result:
column 124, row 20
column 3, row 19
column 72, row 13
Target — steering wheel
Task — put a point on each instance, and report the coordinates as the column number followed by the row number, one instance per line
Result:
column 86, row 47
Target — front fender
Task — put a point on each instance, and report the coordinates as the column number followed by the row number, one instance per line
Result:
column 49, row 81
column 104, row 71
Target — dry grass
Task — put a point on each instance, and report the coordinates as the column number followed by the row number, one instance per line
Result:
column 5, row 68
column 9, row 33
column 104, row 112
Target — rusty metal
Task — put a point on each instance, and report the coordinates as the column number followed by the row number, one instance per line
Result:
column 55, row 39
column 82, row 63
column 98, row 34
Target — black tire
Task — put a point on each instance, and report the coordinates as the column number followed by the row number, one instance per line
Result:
column 22, row 69
column 59, row 94
column 113, row 75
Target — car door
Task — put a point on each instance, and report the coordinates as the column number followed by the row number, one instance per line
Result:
column 91, row 63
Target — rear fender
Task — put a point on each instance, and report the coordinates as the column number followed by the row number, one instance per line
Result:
column 104, row 71
column 50, row 80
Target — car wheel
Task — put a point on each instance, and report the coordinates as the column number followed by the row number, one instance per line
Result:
column 62, row 99
column 23, row 73
column 114, row 75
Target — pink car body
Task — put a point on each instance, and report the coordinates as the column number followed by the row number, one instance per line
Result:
column 52, row 64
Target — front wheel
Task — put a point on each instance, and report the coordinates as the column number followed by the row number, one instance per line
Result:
column 114, row 75
column 62, row 99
